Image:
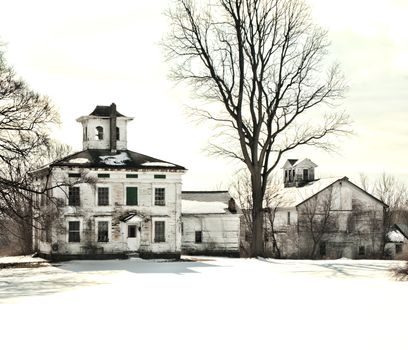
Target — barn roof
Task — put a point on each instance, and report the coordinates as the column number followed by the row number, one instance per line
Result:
column 205, row 202
column 99, row 158
column 289, row 197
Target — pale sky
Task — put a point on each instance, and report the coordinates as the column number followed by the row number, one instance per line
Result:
column 85, row 53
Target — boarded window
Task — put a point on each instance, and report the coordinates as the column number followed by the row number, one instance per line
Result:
column 103, row 231
column 103, row 196
column 99, row 133
column 131, row 195
column 159, row 196
column 132, row 231
column 199, row 236
column 361, row 250
column 73, row 231
column 159, row 229
column 73, row 196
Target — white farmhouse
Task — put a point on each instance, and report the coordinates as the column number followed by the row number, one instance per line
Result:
column 211, row 223
column 322, row 218
column 111, row 201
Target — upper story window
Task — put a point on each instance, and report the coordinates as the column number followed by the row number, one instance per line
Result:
column 85, row 133
column 99, row 133
column 131, row 195
column 159, row 196
column 288, row 218
column 117, row 133
column 74, row 196
column 103, row 195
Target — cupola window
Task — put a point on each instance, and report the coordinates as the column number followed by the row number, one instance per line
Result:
column 117, row 134
column 99, row 133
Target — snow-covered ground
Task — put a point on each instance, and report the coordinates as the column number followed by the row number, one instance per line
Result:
column 213, row 303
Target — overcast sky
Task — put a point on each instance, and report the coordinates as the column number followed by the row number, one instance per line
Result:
column 85, row 53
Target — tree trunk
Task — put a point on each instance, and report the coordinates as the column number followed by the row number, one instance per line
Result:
column 257, row 247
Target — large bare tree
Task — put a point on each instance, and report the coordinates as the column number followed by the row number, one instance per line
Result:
column 262, row 61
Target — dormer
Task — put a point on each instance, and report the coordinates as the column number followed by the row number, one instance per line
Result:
column 297, row 173
column 105, row 128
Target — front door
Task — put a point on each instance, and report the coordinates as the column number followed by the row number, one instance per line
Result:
column 133, row 237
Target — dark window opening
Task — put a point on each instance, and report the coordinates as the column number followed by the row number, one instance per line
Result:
column 117, row 133
column 73, row 231
column 99, row 133
column 132, row 231
column 361, row 250
column 322, row 249
column 305, row 174
column 159, row 176
column 103, row 196
column 159, row 196
column 159, row 230
column 199, row 236
column 85, row 133
column 103, row 175
column 131, row 195
column 73, row 196
column 132, row 176
column 288, row 220
column 398, row 248
column 74, row 175
column 103, row 231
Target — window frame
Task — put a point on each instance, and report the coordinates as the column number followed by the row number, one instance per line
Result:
column 97, row 221
column 76, row 204
column 97, row 196
column 68, row 221
column 155, row 222
column 159, row 202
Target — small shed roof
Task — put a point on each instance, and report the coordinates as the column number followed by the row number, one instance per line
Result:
column 205, row 202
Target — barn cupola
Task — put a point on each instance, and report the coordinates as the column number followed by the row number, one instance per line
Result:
column 105, row 128
column 297, row 173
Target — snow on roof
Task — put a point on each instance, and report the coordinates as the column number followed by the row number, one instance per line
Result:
column 79, row 161
column 292, row 196
column 115, row 159
column 160, row 164
column 199, row 207
column 395, row 236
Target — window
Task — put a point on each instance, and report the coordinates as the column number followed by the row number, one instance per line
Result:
column 103, row 195
column 73, row 231
column 398, row 248
column 131, row 195
column 132, row 176
column 74, row 175
column 99, row 133
column 159, row 229
column 159, row 196
column 361, row 250
column 199, row 236
column 132, row 231
column 73, row 196
column 85, row 133
column 305, row 174
column 117, row 133
column 103, row 228
column 288, row 218
column 322, row 249
column 159, row 176
column 103, row 175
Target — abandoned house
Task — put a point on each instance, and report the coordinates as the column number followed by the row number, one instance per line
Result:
column 396, row 245
column 110, row 200
column 321, row 218
column 211, row 223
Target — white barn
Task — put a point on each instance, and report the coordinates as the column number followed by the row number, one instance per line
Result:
column 211, row 223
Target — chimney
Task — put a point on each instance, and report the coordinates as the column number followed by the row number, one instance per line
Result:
column 113, row 128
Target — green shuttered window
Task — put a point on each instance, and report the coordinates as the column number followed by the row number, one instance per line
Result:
column 131, row 196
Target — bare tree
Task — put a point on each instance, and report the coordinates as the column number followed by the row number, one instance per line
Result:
column 262, row 61
column 317, row 220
